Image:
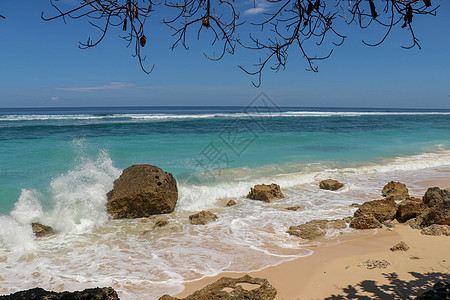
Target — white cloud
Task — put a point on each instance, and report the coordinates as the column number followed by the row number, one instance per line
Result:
column 258, row 7
column 108, row 86
column 55, row 98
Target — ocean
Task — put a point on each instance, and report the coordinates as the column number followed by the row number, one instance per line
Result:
column 57, row 164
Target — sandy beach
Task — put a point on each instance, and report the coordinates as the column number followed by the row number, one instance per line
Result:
column 334, row 270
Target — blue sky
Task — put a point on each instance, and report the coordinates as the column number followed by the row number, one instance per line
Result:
column 41, row 65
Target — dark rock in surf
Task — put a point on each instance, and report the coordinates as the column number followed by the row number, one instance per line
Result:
column 106, row 293
column 41, row 230
column 202, row 218
column 232, row 289
column 395, row 190
column 315, row 228
column 330, row 184
column 142, row 191
column 266, row 193
column 231, row 202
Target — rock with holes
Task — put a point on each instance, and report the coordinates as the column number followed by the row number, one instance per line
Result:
column 266, row 193
column 382, row 210
column 436, row 196
column 395, row 190
column 365, row 222
column 330, row 184
column 106, row 293
column 233, row 289
column 400, row 246
column 142, row 191
column 436, row 229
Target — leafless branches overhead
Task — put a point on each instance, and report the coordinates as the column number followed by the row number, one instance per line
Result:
column 272, row 28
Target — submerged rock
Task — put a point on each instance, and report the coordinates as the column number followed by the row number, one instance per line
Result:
column 202, row 218
column 436, row 229
column 231, row 202
column 439, row 291
column 315, row 228
column 41, row 230
column 395, row 190
column 409, row 209
column 400, row 246
column 266, row 193
column 295, row 208
column 365, row 222
column 232, row 289
column 106, row 293
column 142, row 191
column 382, row 210
column 330, row 184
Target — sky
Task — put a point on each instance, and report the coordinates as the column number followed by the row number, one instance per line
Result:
column 42, row 66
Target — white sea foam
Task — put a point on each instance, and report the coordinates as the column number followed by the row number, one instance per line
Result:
column 162, row 117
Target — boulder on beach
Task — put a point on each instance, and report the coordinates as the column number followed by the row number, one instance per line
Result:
column 408, row 209
column 142, row 191
column 106, row 293
column 330, row 184
column 227, row 288
column 201, row 218
column 436, row 196
column 382, row 210
column 315, row 228
column 266, row 193
column 436, row 230
column 41, row 230
column 365, row 222
column 395, row 190
column 439, row 291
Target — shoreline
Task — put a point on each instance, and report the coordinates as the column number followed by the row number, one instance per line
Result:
column 333, row 270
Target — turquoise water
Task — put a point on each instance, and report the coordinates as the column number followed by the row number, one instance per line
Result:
column 56, row 166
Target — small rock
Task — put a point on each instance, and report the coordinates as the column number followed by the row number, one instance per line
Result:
column 161, row 222
column 388, row 224
column 439, row 291
column 365, row 222
column 330, row 184
column 436, row 230
column 202, row 218
column 41, row 230
column 266, row 193
column 400, row 246
column 414, row 257
column 230, row 203
column 395, row 190
column 295, row 207
column 315, row 228
column 374, row 264
column 231, row 288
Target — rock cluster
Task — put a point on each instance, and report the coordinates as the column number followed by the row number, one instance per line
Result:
column 142, row 191
column 231, row 289
column 266, row 193
column 330, row 184
column 202, row 218
column 106, row 293
column 315, row 228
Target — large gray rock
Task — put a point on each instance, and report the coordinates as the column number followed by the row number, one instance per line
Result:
column 382, row 210
column 106, row 293
column 266, row 193
column 142, row 191
column 232, row 289
column 330, row 184
column 315, row 228
column 395, row 190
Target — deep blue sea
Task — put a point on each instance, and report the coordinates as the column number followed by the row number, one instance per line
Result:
column 57, row 164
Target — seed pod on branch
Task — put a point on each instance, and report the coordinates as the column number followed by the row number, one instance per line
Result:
column 427, row 3
column 205, row 22
column 124, row 25
column 136, row 12
column 143, row 40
